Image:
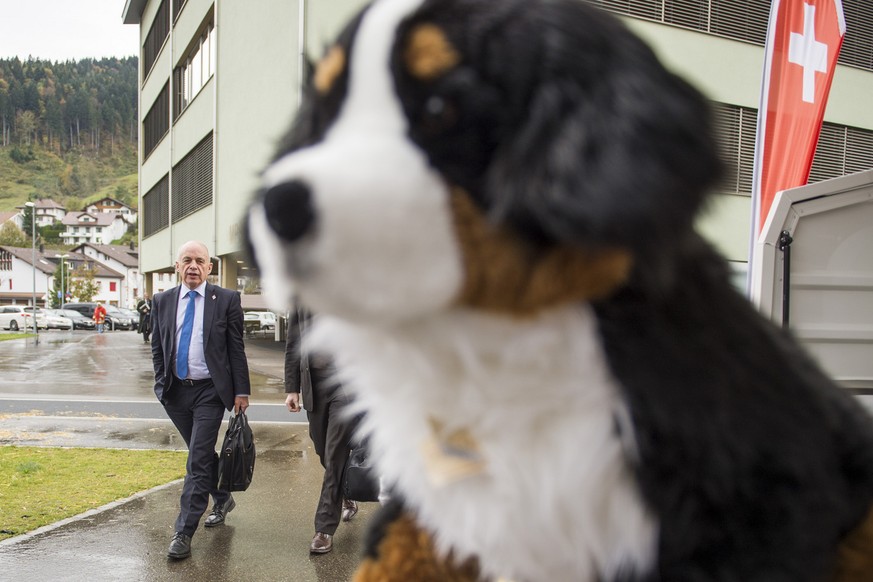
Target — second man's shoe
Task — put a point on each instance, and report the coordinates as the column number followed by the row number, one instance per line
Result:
column 350, row 508
column 322, row 543
column 180, row 546
column 219, row 512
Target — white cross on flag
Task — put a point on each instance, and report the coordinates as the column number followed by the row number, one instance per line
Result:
column 803, row 42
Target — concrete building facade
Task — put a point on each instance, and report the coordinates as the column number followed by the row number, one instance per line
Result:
column 220, row 81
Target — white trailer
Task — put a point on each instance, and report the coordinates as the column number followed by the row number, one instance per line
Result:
column 812, row 271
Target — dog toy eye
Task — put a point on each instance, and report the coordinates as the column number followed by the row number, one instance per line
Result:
column 439, row 114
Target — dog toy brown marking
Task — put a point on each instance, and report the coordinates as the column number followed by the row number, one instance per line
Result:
column 429, row 53
column 329, row 69
column 855, row 562
column 504, row 274
column 451, row 456
column 407, row 553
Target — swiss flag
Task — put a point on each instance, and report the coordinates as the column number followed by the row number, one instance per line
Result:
column 803, row 42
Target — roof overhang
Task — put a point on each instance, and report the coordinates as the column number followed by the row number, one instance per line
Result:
column 132, row 13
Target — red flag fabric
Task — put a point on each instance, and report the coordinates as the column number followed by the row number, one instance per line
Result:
column 803, row 42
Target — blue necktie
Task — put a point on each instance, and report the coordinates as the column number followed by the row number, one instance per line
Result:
column 185, row 338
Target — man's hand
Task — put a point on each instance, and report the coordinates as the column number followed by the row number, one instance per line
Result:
column 292, row 401
column 240, row 403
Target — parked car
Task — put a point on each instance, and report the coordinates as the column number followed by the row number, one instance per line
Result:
column 260, row 320
column 15, row 317
column 133, row 314
column 54, row 319
column 118, row 319
column 115, row 318
column 79, row 321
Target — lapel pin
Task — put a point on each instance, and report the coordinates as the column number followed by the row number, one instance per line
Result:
column 213, row 297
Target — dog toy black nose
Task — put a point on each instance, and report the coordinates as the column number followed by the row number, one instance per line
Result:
column 289, row 209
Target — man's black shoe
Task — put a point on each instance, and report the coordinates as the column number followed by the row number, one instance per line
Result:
column 219, row 512
column 180, row 546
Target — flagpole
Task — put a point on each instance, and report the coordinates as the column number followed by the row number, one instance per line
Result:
column 760, row 132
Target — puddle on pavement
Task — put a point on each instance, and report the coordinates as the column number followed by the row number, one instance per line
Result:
column 267, row 387
column 275, row 455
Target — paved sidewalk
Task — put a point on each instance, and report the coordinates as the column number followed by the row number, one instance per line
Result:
column 266, row 538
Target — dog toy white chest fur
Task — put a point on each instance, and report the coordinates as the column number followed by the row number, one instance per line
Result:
column 489, row 426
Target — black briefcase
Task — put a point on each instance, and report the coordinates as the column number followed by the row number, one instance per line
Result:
column 236, row 459
column 360, row 481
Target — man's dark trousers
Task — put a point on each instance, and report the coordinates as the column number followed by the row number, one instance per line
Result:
column 331, row 430
column 197, row 412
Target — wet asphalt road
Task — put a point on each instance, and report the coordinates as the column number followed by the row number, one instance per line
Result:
column 85, row 373
column 85, row 389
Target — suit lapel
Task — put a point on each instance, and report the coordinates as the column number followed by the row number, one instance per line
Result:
column 171, row 306
column 208, row 313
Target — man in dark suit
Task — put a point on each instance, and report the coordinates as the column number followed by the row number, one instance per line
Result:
column 144, row 306
column 329, row 428
column 200, row 370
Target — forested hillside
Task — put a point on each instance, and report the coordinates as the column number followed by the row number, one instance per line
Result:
column 68, row 130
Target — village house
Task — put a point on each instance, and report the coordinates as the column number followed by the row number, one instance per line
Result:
column 111, row 205
column 47, row 212
column 92, row 227
column 123, row 259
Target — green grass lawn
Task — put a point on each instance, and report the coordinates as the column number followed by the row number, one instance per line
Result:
column 42, row 485
column 13, row 335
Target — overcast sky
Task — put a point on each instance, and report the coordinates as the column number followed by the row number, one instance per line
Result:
column 60, row 30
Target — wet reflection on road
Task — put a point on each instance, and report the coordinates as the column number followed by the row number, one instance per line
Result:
column 113, row 364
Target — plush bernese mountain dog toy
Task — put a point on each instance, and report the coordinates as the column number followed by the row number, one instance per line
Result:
column 490, row 205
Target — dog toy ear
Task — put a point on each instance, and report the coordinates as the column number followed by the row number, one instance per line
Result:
column 615, row 150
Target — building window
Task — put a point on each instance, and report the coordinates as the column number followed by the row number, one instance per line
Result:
column 195, row 71
column 156, row 207
column 112, row 286
column 155, row 39
column 156, row 123
column 192, row 180
column 5, row 260
column 747, row 20
column 840, row 150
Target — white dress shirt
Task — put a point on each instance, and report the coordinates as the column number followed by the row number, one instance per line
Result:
column 197, row 369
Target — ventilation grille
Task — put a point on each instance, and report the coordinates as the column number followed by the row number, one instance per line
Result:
column 192, row 180
column 746, row 20
column 735, row 131
column 841, row 149
column 156, row 208
column 156, row 122
column 155, row 38
column 177, row 7
column 858, row 44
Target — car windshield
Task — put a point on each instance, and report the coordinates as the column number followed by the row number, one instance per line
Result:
column 72, row 314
